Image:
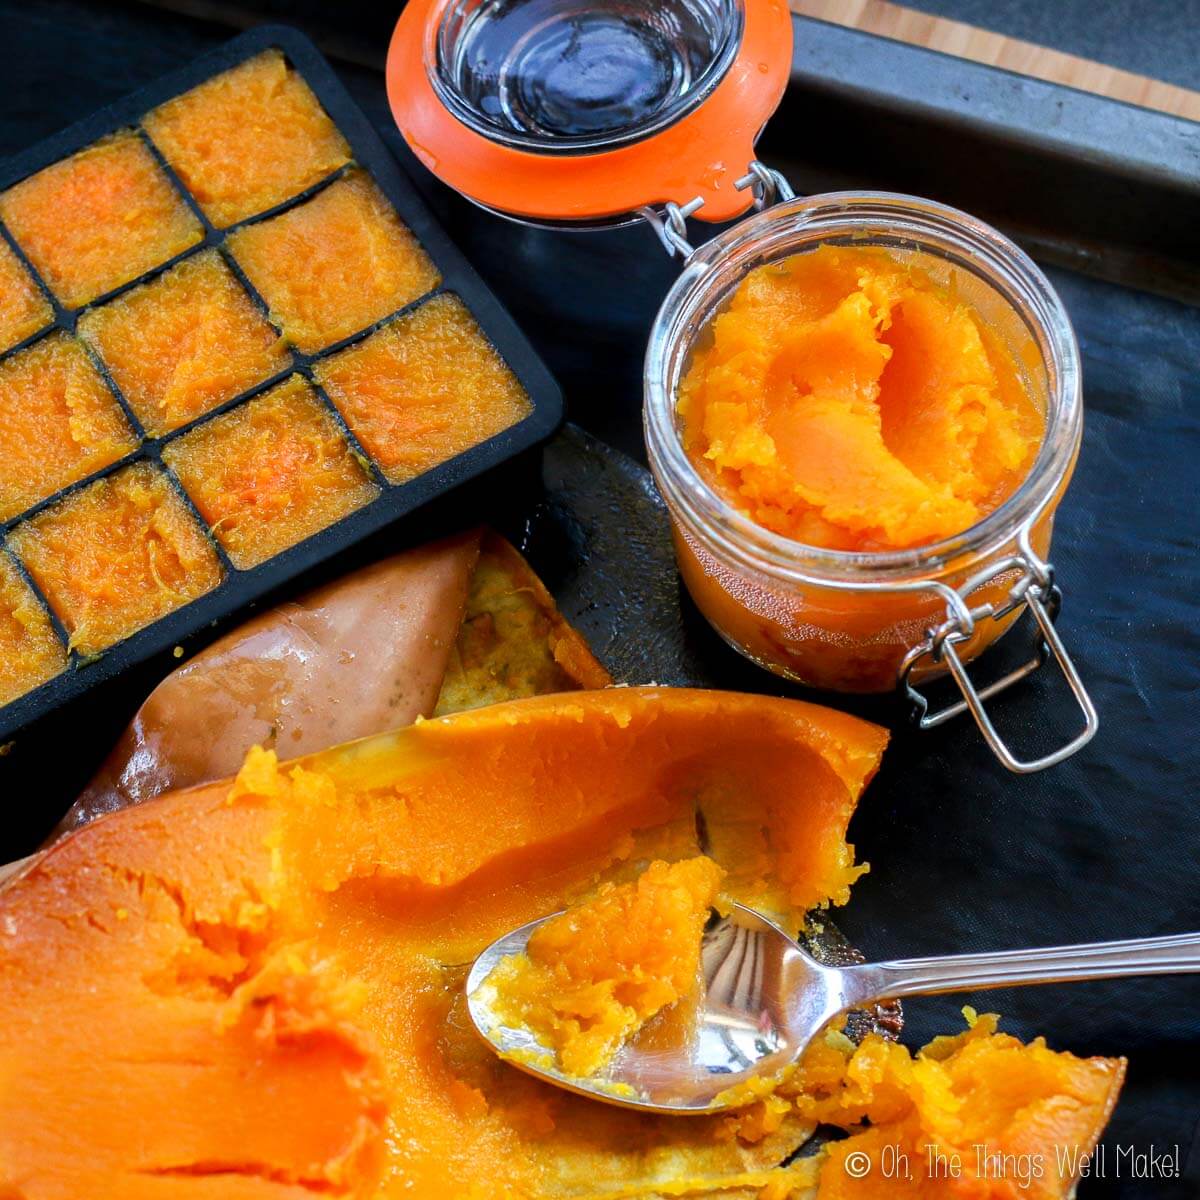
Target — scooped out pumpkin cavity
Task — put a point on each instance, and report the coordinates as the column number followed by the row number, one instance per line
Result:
column 845, row 398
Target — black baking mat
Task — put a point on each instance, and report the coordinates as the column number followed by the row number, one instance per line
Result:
column 964, row 855
column 240, row 588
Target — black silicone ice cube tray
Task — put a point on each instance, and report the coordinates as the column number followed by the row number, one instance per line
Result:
column 242, row 588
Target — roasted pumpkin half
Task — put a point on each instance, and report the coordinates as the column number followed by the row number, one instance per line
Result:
column 254, row 988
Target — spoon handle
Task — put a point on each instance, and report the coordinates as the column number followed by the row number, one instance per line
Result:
column 1177, row 954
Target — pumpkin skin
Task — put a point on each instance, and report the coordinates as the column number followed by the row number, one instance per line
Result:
column 442, row 627
column 254, row 989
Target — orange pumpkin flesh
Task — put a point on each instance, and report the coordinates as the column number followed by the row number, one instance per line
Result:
column 337, row 902
column 849, row 400
column 255, row 990
column 1012, row 1120
column 594, row 975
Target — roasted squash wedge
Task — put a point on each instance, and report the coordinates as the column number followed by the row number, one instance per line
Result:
column 253, row 989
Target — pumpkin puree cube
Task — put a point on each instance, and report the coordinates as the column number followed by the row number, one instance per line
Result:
column 335, row 264
column 116, row 556
column 30, row 653
column 270, row 473
column 247, row 139
column 98, row 219
column 23, row 308
column 423, row 389
column 598, row 972
column 58, row 422
column 184, row 343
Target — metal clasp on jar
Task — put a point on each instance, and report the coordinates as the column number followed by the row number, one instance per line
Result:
column 1034, row 590
column 670, row 223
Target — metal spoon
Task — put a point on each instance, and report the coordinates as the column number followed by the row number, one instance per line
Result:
column 765, row 1000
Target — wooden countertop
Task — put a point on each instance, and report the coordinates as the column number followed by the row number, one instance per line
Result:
column 967, row 41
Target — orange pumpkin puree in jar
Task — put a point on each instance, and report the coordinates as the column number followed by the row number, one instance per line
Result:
column 593, row 976
column 847, row 399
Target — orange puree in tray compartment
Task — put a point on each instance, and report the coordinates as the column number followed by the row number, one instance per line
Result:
column 335, row 264
column 254, row 991
column 595, row 974
column 270, row 473
column 117, row 555
column 23, row 308
column 184, row 343
column 30, row 652
column 58, row 422
column 848, row 400
column 247, row 139
column 423, row 389
column 98, row 219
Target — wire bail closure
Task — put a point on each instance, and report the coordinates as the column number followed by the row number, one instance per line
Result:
column 1035, row 590
column 670, row 223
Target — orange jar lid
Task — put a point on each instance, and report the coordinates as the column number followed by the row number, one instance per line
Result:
column 535, row 176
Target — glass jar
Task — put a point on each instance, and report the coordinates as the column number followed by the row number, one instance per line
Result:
column 580, row 76
column 566, row 115
column 868, row 622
